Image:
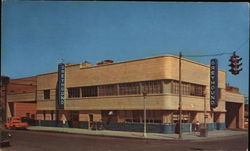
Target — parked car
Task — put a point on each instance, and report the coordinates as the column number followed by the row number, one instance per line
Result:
column 28, row 120
column 16, row 123
column 5, row 137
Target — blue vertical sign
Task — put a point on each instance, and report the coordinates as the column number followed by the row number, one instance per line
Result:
column 61, row 85
column 214, row 83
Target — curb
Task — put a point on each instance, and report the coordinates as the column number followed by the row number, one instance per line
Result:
column 217, row 137
column 140, row 138
column 103, row 135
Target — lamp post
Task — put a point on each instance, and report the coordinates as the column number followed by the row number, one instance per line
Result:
column 145, row 116
column 205, row 110
column 180, row 106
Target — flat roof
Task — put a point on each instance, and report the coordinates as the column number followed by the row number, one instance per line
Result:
column 128, row 61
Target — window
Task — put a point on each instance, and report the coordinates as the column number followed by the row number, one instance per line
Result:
column 175, row 87
column 175, row 117
column 185, row 117
column 136, row 116
column 199, row 90
column 188, row 89
column 107, row 90
column 89, row 91
column 46, row 94
column 129, row 88
column 73, row 92
column 151, row 87
column 154, row 116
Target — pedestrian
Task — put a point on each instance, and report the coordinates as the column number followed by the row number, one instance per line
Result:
column 64, row 122
column 197, row 126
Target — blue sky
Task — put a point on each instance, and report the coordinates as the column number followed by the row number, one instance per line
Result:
column 36, row 35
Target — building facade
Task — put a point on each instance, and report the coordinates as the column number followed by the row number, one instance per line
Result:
column 21, row 97
column 111, row 93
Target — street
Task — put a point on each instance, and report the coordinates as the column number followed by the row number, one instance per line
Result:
column 45, row 141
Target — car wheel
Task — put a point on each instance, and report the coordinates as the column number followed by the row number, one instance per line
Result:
column 7, row 143
column 13, row 127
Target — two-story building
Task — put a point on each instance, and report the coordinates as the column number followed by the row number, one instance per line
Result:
column 112, row 93
column 21, row 97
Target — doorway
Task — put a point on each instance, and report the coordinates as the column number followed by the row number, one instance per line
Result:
column 90, row 122
column 74, row 119
column 232, row 115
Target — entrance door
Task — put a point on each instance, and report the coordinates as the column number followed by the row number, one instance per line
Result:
column 232, row 115
column 90, row 122
column 74, row 119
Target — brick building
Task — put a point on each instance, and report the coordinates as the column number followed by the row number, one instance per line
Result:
column 21, row 97
column 112, row 93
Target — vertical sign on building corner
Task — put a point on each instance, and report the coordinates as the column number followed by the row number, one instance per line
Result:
column 213, row 83
column 61, row 85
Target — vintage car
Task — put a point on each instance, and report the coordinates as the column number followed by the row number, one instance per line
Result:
column 5, row 137
column 16, row 123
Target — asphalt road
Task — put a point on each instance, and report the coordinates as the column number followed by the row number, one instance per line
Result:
column 44, row 141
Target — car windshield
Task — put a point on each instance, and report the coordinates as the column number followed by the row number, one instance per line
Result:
column 24, row 119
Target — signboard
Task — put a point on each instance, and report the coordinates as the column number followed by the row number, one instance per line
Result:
column 214, row 83
column 61, row 85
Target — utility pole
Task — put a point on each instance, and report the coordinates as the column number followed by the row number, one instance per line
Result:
column 180, row 106
column 145, row 116
column 205, row 110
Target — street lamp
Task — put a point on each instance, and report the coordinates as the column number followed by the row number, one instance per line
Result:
column 145, row 125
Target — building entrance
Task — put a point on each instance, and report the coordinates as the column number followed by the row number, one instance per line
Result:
column 74, row 119
column 233, row 115
column 90, row 121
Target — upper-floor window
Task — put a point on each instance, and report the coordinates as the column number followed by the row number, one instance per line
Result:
column 188, row 89
column 107, row 90
column 73, row 92
column 46, row 94
column 89, row 91
column 129, row 88
column 151, row 87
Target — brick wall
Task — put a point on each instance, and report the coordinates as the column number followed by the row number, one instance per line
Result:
column 21, row 109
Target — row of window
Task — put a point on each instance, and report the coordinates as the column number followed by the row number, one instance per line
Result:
column 137, row 116
column 155, row 116
column 150, row 87
column 188, row 89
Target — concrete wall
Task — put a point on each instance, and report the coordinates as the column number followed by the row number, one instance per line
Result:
column 194, row 72
column 84, row 115
column 133, row 102
column 163, row 67
column 155, row 68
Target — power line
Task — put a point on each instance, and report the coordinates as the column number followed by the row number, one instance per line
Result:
column 242, row 45
column 211, row 55
column 218, row 54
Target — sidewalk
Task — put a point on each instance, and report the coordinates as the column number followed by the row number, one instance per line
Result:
column 185, row 136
